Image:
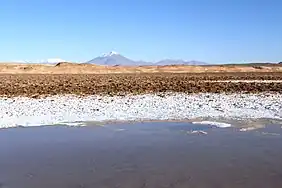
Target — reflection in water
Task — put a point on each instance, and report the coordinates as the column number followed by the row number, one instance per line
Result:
column 140, row 155
column 244, row 124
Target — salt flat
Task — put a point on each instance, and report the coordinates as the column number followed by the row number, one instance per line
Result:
column 60, row 109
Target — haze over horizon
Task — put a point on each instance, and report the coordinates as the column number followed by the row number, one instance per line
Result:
column 212, row 31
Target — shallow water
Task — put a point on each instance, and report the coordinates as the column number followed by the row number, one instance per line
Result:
column 140, row 155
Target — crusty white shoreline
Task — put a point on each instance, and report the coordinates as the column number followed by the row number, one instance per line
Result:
column 22, row 111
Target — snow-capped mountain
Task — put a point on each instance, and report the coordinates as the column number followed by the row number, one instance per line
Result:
column 114, row 59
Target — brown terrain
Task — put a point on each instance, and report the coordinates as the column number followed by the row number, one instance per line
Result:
column 66, row 78
column 38, row 80
column 73, row 68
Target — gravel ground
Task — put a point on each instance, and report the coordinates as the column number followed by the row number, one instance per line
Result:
column 22, row 111
column 120, row 84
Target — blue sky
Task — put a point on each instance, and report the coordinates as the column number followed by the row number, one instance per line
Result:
column 214, row 31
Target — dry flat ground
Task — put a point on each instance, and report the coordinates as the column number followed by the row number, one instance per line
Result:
column 72, row 68
column 36, row 80
column 35, row 85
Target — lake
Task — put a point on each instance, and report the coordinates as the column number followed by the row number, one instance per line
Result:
column 140, row 155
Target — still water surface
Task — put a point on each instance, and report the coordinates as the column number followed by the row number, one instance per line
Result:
column 141, row 155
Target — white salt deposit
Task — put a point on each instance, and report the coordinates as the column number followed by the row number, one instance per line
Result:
column 217, row 124
column 197, row 132
column 21, row 111
column 247, row 129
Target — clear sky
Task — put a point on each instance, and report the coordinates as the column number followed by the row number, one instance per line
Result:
column 214, row 31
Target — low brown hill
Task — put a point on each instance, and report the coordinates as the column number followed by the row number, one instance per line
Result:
column 75, row 68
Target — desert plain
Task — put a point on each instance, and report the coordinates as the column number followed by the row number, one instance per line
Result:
column 65, row 93
column 35, row 80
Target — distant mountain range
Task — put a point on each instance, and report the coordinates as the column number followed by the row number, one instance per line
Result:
column 115, row 59
column 42, row 61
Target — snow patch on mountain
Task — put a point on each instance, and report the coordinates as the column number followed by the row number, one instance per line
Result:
column 110, row 54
